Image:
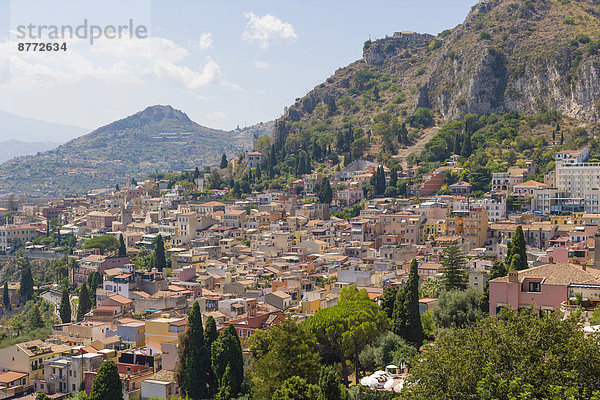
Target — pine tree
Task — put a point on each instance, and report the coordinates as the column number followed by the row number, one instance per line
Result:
column 34, row 318
column 65, row 307
column 193, row 365
column 227, row 350
column 122, row 247
column 107, row 383
column 85, row 303
column 325, row 192
column 159, row 254
column 519, row 247
column 6, row 297
column 26, row 290
column 224, row 161
column 407, row 318
column 453, row 263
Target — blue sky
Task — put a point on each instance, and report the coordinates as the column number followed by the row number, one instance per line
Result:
column 223, row 62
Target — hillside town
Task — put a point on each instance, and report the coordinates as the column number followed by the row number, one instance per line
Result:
column 251, row 263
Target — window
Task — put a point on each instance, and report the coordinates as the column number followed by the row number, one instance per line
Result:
column 534, row 287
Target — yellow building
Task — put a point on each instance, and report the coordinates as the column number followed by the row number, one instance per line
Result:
column 471, row 225
column 311, row 306
column 431, row 229
column 28, row 357
column 164, row 329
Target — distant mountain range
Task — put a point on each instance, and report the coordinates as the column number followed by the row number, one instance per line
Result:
column 33, row 130
column 15, row 148
column 159, row 138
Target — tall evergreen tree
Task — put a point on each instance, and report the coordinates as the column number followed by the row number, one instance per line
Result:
column 34, row 318
column 496, row 271
column 457, row 148
column 393, row 177
column 122, row 247
column 210, row 331
column 193, row 365
column 325, row 192
column 26, row 290
column 407, row 318
column 330, row 387
column 65, row 307
column 159, row 253
column 453, row 262
column 227, row 351
column 518, row 246
column 85, row 303
column 6, row 297
column 380, row 188
column 94, row 282
column 107, row 383
column 224, row 161
column 388, row 299
column 466, row 147
column 226, row 385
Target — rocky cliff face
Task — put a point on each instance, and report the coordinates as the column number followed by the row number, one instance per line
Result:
column 525, row 55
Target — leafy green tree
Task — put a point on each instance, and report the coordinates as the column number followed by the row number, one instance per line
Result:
column 325, row 192
column 122, row 247
column 480, row 178
column 85, row 303
column 387, row 349
column 159, row 253
column 223, row 161
column 103, row 243
column 42, row 396
column 330, row 387
column 107, row 383
column 422, row 118
column 456, row 309
column 296, row 388
column 453, row 262
column 344, row 329
column 193, row 365
column 226, row 351
column 65, row 307
column 481, row 359
column 26, row 290
column 407, row 318
column 284, row 351
column 6, row 297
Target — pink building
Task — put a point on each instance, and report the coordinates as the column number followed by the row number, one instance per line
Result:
column 545, row 287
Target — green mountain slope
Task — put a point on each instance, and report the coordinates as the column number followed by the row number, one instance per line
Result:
column 158, row 138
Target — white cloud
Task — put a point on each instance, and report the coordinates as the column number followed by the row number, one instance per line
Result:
column 182, row 75
column 217, row 115
column 261, row 64
column 205, row 42
column 268, row 29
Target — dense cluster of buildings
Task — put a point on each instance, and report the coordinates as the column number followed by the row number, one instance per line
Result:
column 250, row 262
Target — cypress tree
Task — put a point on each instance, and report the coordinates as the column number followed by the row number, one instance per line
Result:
column 159, row 254
column 497, row 270
column 224, row 161
column 34, row 318
column 388, row 299
column 380, row 181
column 466, row 147
column 226, row 385
column 393, row 177
column 85, row 303
column 193, row 365
column 210, row 331
column 122, row 247
column 519, row 247
column 65, row 307
column 453, row 263
column 457, row 144
column 107, row 383
column 227, row 350
column 325, row 192
column 26, row 290
column 407, row 319
column 6, row 297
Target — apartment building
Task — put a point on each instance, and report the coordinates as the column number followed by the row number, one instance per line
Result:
column 471, row 225
column 11, row 233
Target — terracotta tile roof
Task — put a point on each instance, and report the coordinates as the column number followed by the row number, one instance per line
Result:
column 559, row 274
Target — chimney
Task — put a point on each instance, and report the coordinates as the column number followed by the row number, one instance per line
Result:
column 513, row 276
column 597, row 250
